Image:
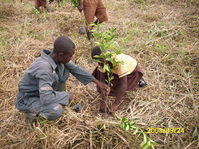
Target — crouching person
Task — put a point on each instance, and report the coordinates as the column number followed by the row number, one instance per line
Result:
column 127, row 76
column 42, row 88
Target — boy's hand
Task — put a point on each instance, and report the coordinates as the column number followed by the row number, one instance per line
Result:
column 105, row 89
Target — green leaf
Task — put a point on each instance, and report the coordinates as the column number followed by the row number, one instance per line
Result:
column 144, row 137
column 127, row 127
column 106, row 68
column 96, row 56
column 75, row 3
column 96, row 60
column 117, row 52
column 153, row 142
column 131, row 123
column 107, row 81
column 111, row 78
column 109, row 59
column 142, row 144
column 122, row 125
column 145, row 146
column 149, row 143
column 136, row 131
column 123, row 119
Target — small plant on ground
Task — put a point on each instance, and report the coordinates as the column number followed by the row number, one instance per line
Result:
column 109, row 64
column 147, row 142
column 35, row 11
column 106, row 41
column 75, row 3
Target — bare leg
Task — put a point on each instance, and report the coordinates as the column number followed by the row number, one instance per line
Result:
column 116, row 103
column 102, row 106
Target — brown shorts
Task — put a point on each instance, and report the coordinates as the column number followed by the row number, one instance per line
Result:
column 94, row 8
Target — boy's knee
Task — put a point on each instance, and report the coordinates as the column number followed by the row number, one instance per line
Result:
column 54, row 113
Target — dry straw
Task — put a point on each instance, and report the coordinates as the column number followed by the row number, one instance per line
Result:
column 162, row 35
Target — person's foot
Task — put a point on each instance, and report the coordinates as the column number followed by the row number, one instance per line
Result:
column 142, row 83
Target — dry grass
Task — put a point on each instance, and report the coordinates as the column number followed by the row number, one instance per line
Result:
column 162, row 35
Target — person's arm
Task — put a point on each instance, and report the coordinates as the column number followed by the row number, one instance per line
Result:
column 119, row 92
column 79, row 73
column 81, row 6
column 84, row 77
column 103, row 94
column 104, row 89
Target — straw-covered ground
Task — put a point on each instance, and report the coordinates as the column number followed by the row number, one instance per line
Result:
column 162, row 35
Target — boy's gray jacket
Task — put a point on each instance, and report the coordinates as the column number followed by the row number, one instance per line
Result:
column 43, row 80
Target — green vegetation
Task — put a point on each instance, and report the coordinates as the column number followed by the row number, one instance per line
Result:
column 74, row 3
column 109, row 64
column 106, row 41
column 161, row 36
column 35, row 11
column 147, row 142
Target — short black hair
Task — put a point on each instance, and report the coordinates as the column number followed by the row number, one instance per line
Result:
column 96, row 51
column 63, row 44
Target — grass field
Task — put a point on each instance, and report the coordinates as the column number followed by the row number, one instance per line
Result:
column 163, row 35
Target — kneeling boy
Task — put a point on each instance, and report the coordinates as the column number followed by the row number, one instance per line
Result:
column 127, row 75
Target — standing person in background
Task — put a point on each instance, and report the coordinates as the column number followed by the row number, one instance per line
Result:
column 42, row 89
column 91, row 9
